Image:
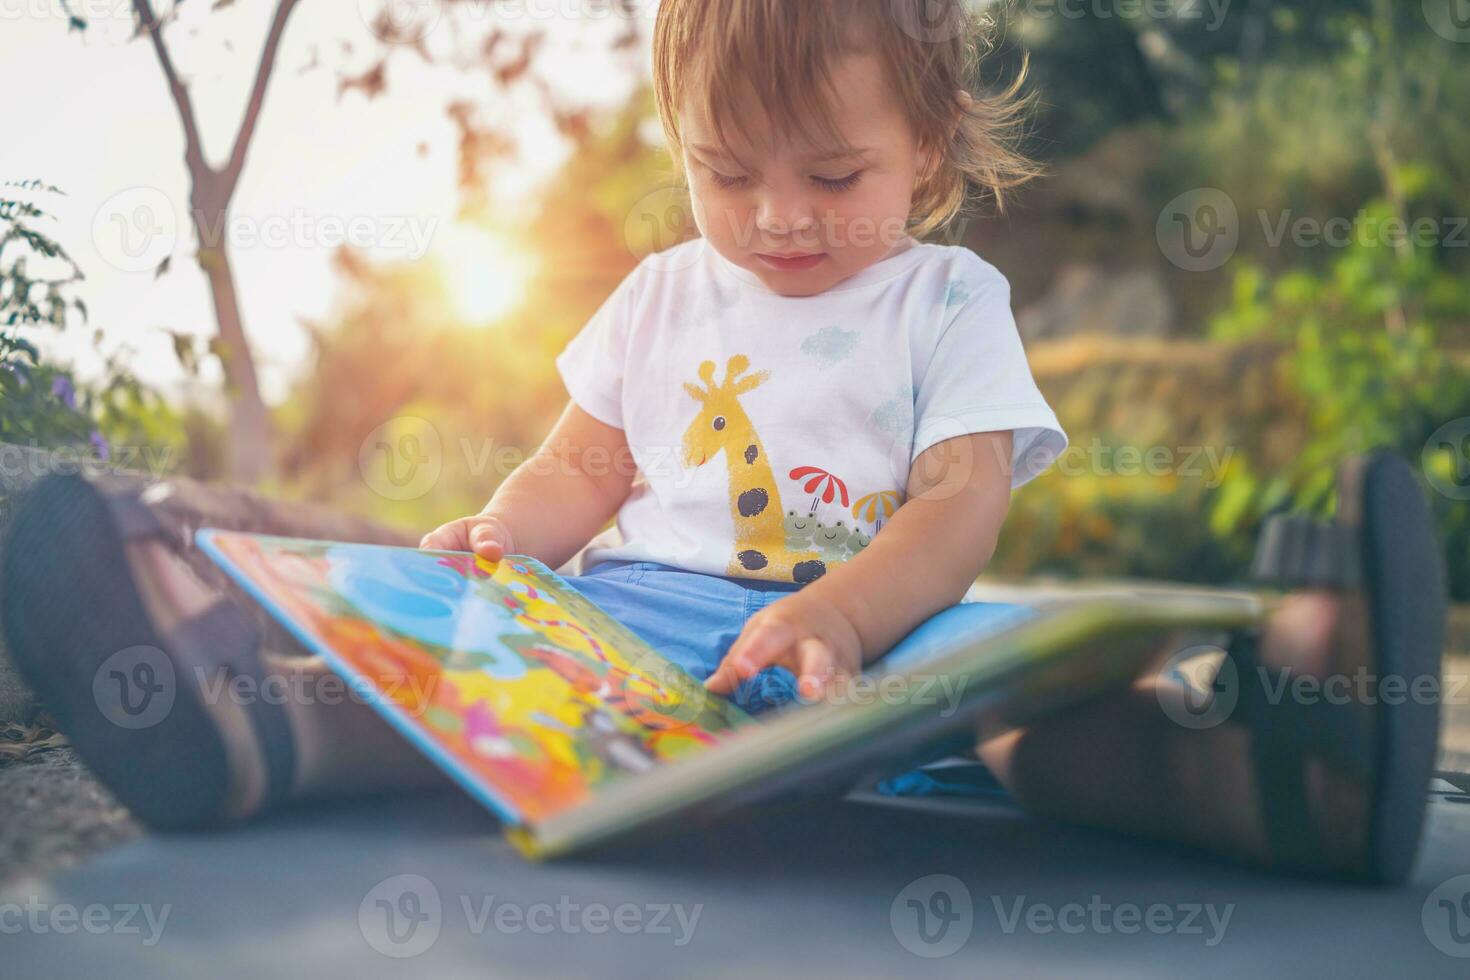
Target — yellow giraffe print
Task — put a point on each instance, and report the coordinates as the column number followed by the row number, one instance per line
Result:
column 755, row 501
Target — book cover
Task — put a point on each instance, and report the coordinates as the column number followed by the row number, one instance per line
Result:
column 531, row 697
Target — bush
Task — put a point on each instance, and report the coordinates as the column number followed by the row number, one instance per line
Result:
column 42, row 404
column 1366, row 349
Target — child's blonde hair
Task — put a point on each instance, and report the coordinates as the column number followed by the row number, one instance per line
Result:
column 783, row 52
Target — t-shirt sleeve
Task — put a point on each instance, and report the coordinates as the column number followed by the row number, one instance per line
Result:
column 978, row 380
column 593, row 364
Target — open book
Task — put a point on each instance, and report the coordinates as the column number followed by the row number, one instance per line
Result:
column 573, row 731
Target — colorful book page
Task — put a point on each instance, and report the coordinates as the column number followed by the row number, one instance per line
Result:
column 513, row 682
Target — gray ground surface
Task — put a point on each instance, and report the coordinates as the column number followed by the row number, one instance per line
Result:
column 53, row 814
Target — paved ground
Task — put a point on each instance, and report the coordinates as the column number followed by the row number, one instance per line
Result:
column 53, row 814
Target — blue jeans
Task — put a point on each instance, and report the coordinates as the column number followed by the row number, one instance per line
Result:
column 691, row 619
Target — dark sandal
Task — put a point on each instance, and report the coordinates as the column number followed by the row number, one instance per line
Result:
column 1381, row 548
column 133, row 701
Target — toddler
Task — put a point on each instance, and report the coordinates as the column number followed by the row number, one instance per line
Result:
column 806, row 422
column 807, row 425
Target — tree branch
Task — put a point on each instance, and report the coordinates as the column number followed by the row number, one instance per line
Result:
column 232, row 170
column 193, row 145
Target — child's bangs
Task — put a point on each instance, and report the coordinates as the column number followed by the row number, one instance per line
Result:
column 769, row 61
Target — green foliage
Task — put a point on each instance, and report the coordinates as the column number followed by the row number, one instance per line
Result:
column 1383, row 114
column 41, row 404
column 1088, row 525
column 1366, row 351
column 1100, row 67
column 38, row 403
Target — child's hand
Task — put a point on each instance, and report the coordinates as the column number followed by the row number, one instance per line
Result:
column 805, row 633
column 486, row 536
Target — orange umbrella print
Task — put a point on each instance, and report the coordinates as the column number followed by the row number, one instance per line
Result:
column 831, row 486
column 876, row 508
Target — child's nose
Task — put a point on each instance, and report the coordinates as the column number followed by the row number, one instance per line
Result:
column 786, row 213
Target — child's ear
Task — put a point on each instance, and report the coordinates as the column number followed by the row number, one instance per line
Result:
column 928, row 156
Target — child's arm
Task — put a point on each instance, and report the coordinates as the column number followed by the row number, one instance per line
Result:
column 555, row 501
column 923, row 561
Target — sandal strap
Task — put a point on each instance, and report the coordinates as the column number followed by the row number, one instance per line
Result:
column 134, row 518
column 223, row 639
column 1283, row 732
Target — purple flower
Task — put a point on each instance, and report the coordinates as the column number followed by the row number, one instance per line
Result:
column 19, row 370
column 62, row 388
column 104, row 452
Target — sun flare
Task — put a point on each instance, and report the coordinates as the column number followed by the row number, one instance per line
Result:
column 484, row 274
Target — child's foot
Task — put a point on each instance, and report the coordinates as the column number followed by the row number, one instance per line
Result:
column 137, row 658
column 1340, row 692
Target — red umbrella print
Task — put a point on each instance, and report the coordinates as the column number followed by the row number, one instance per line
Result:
column 815, row 477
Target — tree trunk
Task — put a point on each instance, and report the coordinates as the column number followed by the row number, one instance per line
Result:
column 249, row 453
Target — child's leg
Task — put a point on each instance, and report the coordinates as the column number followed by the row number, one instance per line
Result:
column 167, row 689
column 1330, row 774
column 1122, row 763
column 341, row 746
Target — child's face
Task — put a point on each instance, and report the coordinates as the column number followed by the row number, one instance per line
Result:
column 790, row 211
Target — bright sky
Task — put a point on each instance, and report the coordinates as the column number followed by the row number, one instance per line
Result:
column 102, row 128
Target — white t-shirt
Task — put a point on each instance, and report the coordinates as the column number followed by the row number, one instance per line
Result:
column 774, row 434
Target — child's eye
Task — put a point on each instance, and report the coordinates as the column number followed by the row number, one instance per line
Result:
column 837, row 184
column 723, row 180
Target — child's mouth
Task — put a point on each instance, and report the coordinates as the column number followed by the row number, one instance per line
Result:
column 791, row 262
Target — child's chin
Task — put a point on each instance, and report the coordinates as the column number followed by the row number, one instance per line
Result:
column 808, row 282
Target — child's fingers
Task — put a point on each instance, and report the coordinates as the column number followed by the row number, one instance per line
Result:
column 723, row 680
column 488, row 540
column 768, row 643
column 444, row 538
column 818, row 665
